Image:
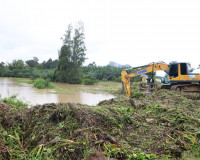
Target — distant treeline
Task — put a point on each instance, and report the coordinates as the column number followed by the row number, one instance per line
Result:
column 29, row 69
column 33, row 69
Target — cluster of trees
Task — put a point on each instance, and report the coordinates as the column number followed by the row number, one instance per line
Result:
column 105, row 73
column 29, row 69
column 34, row 63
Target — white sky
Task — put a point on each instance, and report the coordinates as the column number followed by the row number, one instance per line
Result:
column 134, row 32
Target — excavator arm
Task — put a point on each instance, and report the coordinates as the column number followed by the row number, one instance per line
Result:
column 139, row 71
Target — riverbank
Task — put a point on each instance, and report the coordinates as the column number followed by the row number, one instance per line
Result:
column 164, row 125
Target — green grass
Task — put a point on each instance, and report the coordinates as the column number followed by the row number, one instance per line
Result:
column 23, row 80
column 89, row 82
column 14, row 101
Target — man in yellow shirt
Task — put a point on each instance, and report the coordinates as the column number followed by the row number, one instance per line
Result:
column 144, row 80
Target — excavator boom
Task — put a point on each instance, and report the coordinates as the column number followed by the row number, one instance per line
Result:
column 141, row 70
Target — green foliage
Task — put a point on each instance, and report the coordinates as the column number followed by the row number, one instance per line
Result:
column 2, row 65
column 69, row 67
column 103, row 73
column 111, row 150
column 32, row 63
column 89, row 82
column 16, row 69
column 42, row 83
column 195, row 153
column 47, row 73
column 137, row 94
column 108, row 73
column 50, row 64
column 32, row 69
column 14, row 101
column 17, row 64
column 142, row 156
column 71, row 56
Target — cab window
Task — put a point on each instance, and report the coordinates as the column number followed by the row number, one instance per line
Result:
column 173, row 72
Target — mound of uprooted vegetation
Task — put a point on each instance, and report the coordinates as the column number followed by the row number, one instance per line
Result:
column 163, row 125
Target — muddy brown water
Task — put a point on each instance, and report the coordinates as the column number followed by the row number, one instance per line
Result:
column 83, row 94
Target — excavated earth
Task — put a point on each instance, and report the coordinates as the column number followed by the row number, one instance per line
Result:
column 162, row 125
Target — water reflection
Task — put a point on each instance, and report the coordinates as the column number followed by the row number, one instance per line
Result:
column 26, row 92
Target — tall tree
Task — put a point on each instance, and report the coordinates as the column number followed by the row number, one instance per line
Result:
column 32, row 63
column 71, row 55
column 1, row 67
column 17, row 64
column 50, row 64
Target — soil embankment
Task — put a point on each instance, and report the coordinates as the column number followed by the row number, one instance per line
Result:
column 163, row 125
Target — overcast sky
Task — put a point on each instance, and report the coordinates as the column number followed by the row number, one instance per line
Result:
column 134, row 32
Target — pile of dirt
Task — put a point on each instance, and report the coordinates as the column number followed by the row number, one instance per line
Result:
column 165, row 124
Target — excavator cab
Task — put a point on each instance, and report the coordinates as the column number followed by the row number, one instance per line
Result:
column 184, row 68
column 175, row 69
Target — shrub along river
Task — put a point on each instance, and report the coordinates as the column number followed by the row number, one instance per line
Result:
column 84, row 94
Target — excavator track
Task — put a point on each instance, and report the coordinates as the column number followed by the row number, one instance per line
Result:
column 186, row 87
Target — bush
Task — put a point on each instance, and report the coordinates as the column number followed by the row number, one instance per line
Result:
column 104, row 80
column 118, row 79
column 41, row 83
column 89, row 82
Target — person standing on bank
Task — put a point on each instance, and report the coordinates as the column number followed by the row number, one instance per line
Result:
column 151, row 82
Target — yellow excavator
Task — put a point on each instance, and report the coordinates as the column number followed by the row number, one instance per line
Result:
column 178, row 77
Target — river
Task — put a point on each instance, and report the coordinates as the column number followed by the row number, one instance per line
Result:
column 84, row 94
